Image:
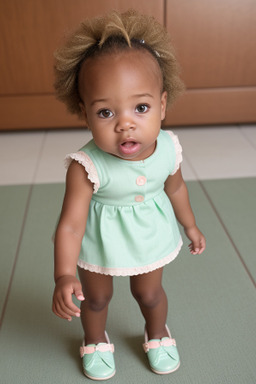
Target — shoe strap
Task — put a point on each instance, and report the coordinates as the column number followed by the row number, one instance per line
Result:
column 102, row 347
column 153, row 344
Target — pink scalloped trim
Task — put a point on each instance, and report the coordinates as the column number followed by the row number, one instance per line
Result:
column 83, row 159
column 131, row 271
column 178, row 149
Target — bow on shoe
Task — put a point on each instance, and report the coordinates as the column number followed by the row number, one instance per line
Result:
column 153, row 344
column 96, row 348
column 95, row 355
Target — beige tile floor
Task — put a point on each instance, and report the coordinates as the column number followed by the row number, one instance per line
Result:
column 209, row 153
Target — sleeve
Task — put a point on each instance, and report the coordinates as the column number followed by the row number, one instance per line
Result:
column 83, row 159
column 178, row 151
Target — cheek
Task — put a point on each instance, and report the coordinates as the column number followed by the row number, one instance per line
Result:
column 90, row 121
column 101, row 139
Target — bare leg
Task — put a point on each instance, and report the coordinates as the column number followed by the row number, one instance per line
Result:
column 98, row 290
column 148, row 291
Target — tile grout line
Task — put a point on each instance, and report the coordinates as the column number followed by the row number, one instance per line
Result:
column 22, row 230
column 227, row 233
column 246, row 137
column 191, row 167
column 222, row 224
column 39, row 158
column 16, row 254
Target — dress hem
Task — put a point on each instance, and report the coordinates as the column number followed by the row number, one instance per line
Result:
column 134, row 270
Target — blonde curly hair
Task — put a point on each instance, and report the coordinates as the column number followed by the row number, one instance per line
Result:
column 114, row 31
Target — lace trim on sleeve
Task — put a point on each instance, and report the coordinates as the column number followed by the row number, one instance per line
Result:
column 83, row 159
column 178, row 150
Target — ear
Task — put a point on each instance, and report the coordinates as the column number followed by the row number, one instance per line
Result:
column 163, row 104
column 83, row 110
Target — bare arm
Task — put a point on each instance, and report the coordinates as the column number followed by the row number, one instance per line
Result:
column 177, row 192
column 68, row 240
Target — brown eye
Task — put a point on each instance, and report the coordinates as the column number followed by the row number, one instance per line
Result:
column 142, row 108
column 105, row 113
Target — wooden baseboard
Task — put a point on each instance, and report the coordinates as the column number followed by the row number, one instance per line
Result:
column 214, row 106
column 195, row 107
column 35, row 112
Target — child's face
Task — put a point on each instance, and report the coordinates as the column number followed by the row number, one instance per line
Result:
column 123, row 103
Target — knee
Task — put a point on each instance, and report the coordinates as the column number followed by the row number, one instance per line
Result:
column 148, row 297
column 99, row 301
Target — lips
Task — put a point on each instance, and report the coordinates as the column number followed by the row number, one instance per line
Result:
column 129, row 147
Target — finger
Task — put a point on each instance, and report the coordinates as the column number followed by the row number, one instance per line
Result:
column 79, row 295
column 202, row 246
column 65, row 306
column 193, row 249
column 69, row 307
column 60, row 313
column 64, row 312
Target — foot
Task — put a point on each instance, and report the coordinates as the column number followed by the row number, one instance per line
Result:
column 98, row 360
column 162, row 354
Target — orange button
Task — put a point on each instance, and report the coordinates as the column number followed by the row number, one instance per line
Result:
column 139, row 198
column 141, row 180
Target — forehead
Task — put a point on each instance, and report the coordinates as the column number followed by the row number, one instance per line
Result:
column 131, row 66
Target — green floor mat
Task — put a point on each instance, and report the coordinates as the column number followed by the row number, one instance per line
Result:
column 235, row 202
column 13, row 202
column 212, row 311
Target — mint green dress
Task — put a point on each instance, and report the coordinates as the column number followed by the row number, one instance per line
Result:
column 131, row 227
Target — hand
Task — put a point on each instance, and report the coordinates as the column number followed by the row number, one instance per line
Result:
column 62, row 304
column 197, row 245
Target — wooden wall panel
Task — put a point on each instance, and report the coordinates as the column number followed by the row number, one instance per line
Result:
column 31, row 30
column 215, row 41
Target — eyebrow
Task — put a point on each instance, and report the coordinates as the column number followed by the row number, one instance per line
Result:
column 143, row 95
column 133, row 96
column 98, row 101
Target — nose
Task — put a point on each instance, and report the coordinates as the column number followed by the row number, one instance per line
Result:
column 125, row 123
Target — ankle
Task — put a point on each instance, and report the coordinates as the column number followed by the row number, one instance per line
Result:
column 157, row 333
column 95, row 340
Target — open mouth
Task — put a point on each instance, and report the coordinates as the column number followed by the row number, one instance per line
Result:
column 129, row 147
